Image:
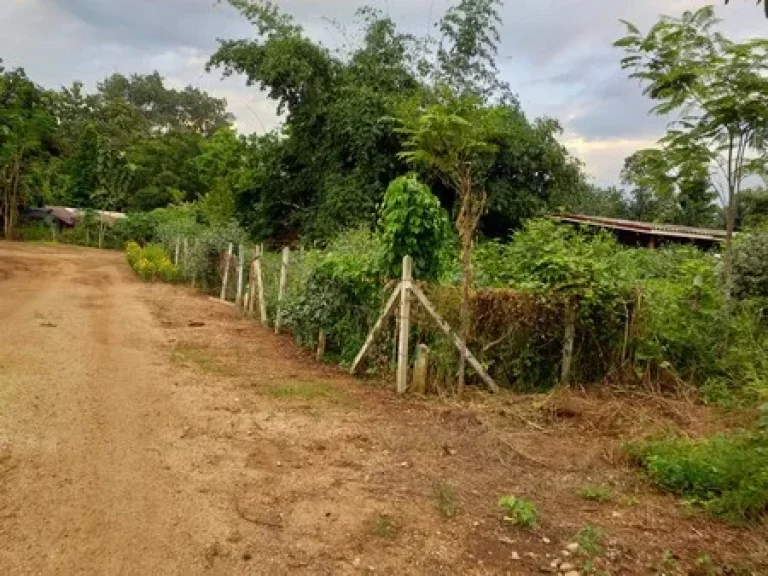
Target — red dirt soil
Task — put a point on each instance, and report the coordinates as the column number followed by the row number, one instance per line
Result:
column 132, row 442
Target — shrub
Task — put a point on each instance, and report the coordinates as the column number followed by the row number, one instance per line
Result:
column 36, row 232
column 339, row 291
column 151, row 262
column 750, row 265
column 139, row 227
column 727, row 475
column 204, row 260
column 518, row 511
column 414, row 224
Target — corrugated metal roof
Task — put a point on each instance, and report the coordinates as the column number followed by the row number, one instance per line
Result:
column 69, row 215
column 650, row 228
column 62, row 213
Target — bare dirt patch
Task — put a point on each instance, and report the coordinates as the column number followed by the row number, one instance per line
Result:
column 152, row 430
column 345, row 477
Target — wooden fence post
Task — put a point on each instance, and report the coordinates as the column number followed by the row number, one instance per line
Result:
column 225, row 281
column 178, row 250
column 240, row 274
column 568, row 341
column 185, row 260
column 420, row 369
column 405, row 326
column 251, row 285
column 260, row 289
column 320, row 345
column 283, row 287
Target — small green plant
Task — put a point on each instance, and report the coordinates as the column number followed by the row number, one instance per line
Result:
column 668, row 565
column 597, row 493
column 519, row 511
column 705, row 566
column 385, row 527
column 445, row 499
column 590, row 540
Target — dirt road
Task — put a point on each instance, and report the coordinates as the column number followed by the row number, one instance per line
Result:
column 147, row 430
column 86, row 416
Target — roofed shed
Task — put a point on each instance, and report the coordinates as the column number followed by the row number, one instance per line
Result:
column 651, row 235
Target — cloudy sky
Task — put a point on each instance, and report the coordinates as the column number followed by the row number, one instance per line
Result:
column 556, row 54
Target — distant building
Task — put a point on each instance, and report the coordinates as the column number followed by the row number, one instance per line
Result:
column 651, row 235
column 63, row 217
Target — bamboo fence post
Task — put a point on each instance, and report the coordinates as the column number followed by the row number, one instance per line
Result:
column 185, row 260
column 283, row 287
column 568, row 341
column 240, row 274
column 405, row 326
column 225, row 281
column 178, row 250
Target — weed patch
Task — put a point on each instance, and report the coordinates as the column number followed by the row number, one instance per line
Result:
column 385, row 527
column 519, row 512
column 725, row 475
column 596, row 493
column 445, row 499
column 308, row 391
column 185, row 355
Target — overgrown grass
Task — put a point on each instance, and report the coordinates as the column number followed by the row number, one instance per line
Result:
column 187, row 354
column 311, row 390
column 726, row 475
column 300, row 390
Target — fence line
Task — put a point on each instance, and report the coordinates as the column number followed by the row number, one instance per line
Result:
column 404, row 292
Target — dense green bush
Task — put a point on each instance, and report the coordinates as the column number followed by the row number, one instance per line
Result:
column 139, row 227
column 659, row 311
column 727, row 475
column 37, row 232
column 750, row 265
column 339, row 291
column 413, row 223
column 204, row 262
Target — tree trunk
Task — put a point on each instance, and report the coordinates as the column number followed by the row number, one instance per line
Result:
column 466, row 259
column 730, row 225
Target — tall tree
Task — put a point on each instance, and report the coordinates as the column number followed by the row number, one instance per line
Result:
column 718, row 87
column 455, row 138
column 84, row 169
column 468, row 49
column 224, row 171
column 26, row 126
